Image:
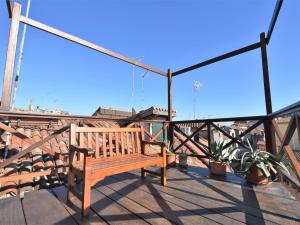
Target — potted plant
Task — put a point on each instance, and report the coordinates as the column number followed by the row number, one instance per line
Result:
column 183, row 159
column 171, row 157
column 217, row 159
column 256, row 166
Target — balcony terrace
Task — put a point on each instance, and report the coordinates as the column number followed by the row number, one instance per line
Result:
column 191, row 197
column 38, row 151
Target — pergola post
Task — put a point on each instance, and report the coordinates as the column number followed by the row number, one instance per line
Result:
column 10, row 57
column 269, row 133
column 170, row 106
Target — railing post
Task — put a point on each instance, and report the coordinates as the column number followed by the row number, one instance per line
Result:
column 170, row 110
column 10, row 57
column 209, row 137
column 269, row 132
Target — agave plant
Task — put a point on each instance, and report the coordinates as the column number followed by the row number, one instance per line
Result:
column 242, row 159
column 218, row 153
column 183, row 153
column 170, row 149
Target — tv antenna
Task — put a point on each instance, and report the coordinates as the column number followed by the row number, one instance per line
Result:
column 197, row 86
column 20, row 59
column 133, row 83
column 143, row 77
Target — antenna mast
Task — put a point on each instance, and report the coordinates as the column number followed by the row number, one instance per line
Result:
column 197, row 85
column 20, row 59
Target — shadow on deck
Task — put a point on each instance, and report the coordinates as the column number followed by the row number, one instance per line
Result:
column 191, row 197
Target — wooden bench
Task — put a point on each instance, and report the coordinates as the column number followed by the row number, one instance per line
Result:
column 99, row 152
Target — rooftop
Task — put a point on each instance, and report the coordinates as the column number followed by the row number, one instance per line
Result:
column 38, row 150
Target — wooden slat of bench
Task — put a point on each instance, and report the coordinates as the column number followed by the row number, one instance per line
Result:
column 11, row 212
column 122, row 144
column 104, row 144
column 133, row 142
column 138, row 144
column 74, row 208
column 108, row 164
column 110, row 144
column 81, row 145
column 116, row 169
column 42, row 207
column 130, row 162
column 97, row 153
column 128, row 143
column 117, row 143
column 111, row 211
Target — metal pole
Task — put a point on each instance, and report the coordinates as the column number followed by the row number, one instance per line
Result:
column 133, row 84
column 20, row 59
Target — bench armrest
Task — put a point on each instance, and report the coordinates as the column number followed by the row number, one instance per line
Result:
column 161, row 144
column 85, row 151
column 153, row 143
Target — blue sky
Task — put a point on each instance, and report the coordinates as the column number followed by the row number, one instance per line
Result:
column 169, row 34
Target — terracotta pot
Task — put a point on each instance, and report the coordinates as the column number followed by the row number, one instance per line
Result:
column 218, row 168
column 183, row 161
column 255, row 176
column 171, row 159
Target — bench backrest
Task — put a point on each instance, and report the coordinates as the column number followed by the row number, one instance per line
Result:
column 108, row 142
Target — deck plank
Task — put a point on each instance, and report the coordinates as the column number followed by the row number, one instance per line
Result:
column 186, row 203
column 111, row 211
column 11, row 212
column 270, row 207
column 267, row 193
column 133, row 206
column 210, row 204
column 43, row 208
column 74, row 208
column 173, row 212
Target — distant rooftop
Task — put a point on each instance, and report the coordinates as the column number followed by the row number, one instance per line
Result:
column 114, row 113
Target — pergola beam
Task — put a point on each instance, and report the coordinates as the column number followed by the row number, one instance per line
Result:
column 274, row 19
column 10, row 57
column 218, row 58
column 85, row 43
column 9, row 8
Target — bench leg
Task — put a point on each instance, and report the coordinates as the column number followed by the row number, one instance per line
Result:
column 143, row 173
column 86, row 197
column 71, row 184
column 163, row 176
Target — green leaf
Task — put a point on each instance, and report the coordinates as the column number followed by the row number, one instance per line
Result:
column 263, row 168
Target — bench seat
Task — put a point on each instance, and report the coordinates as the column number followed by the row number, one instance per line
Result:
column 120, row 164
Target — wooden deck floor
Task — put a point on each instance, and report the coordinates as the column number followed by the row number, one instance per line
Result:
column 191, row 197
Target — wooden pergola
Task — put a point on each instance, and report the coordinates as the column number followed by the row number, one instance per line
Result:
column 271, row 128
column 17, row 18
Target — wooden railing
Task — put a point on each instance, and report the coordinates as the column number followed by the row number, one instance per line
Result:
column 278, row 138
column 32, row 145
column 288, row 117
column 173, row 132
column 203, row 128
